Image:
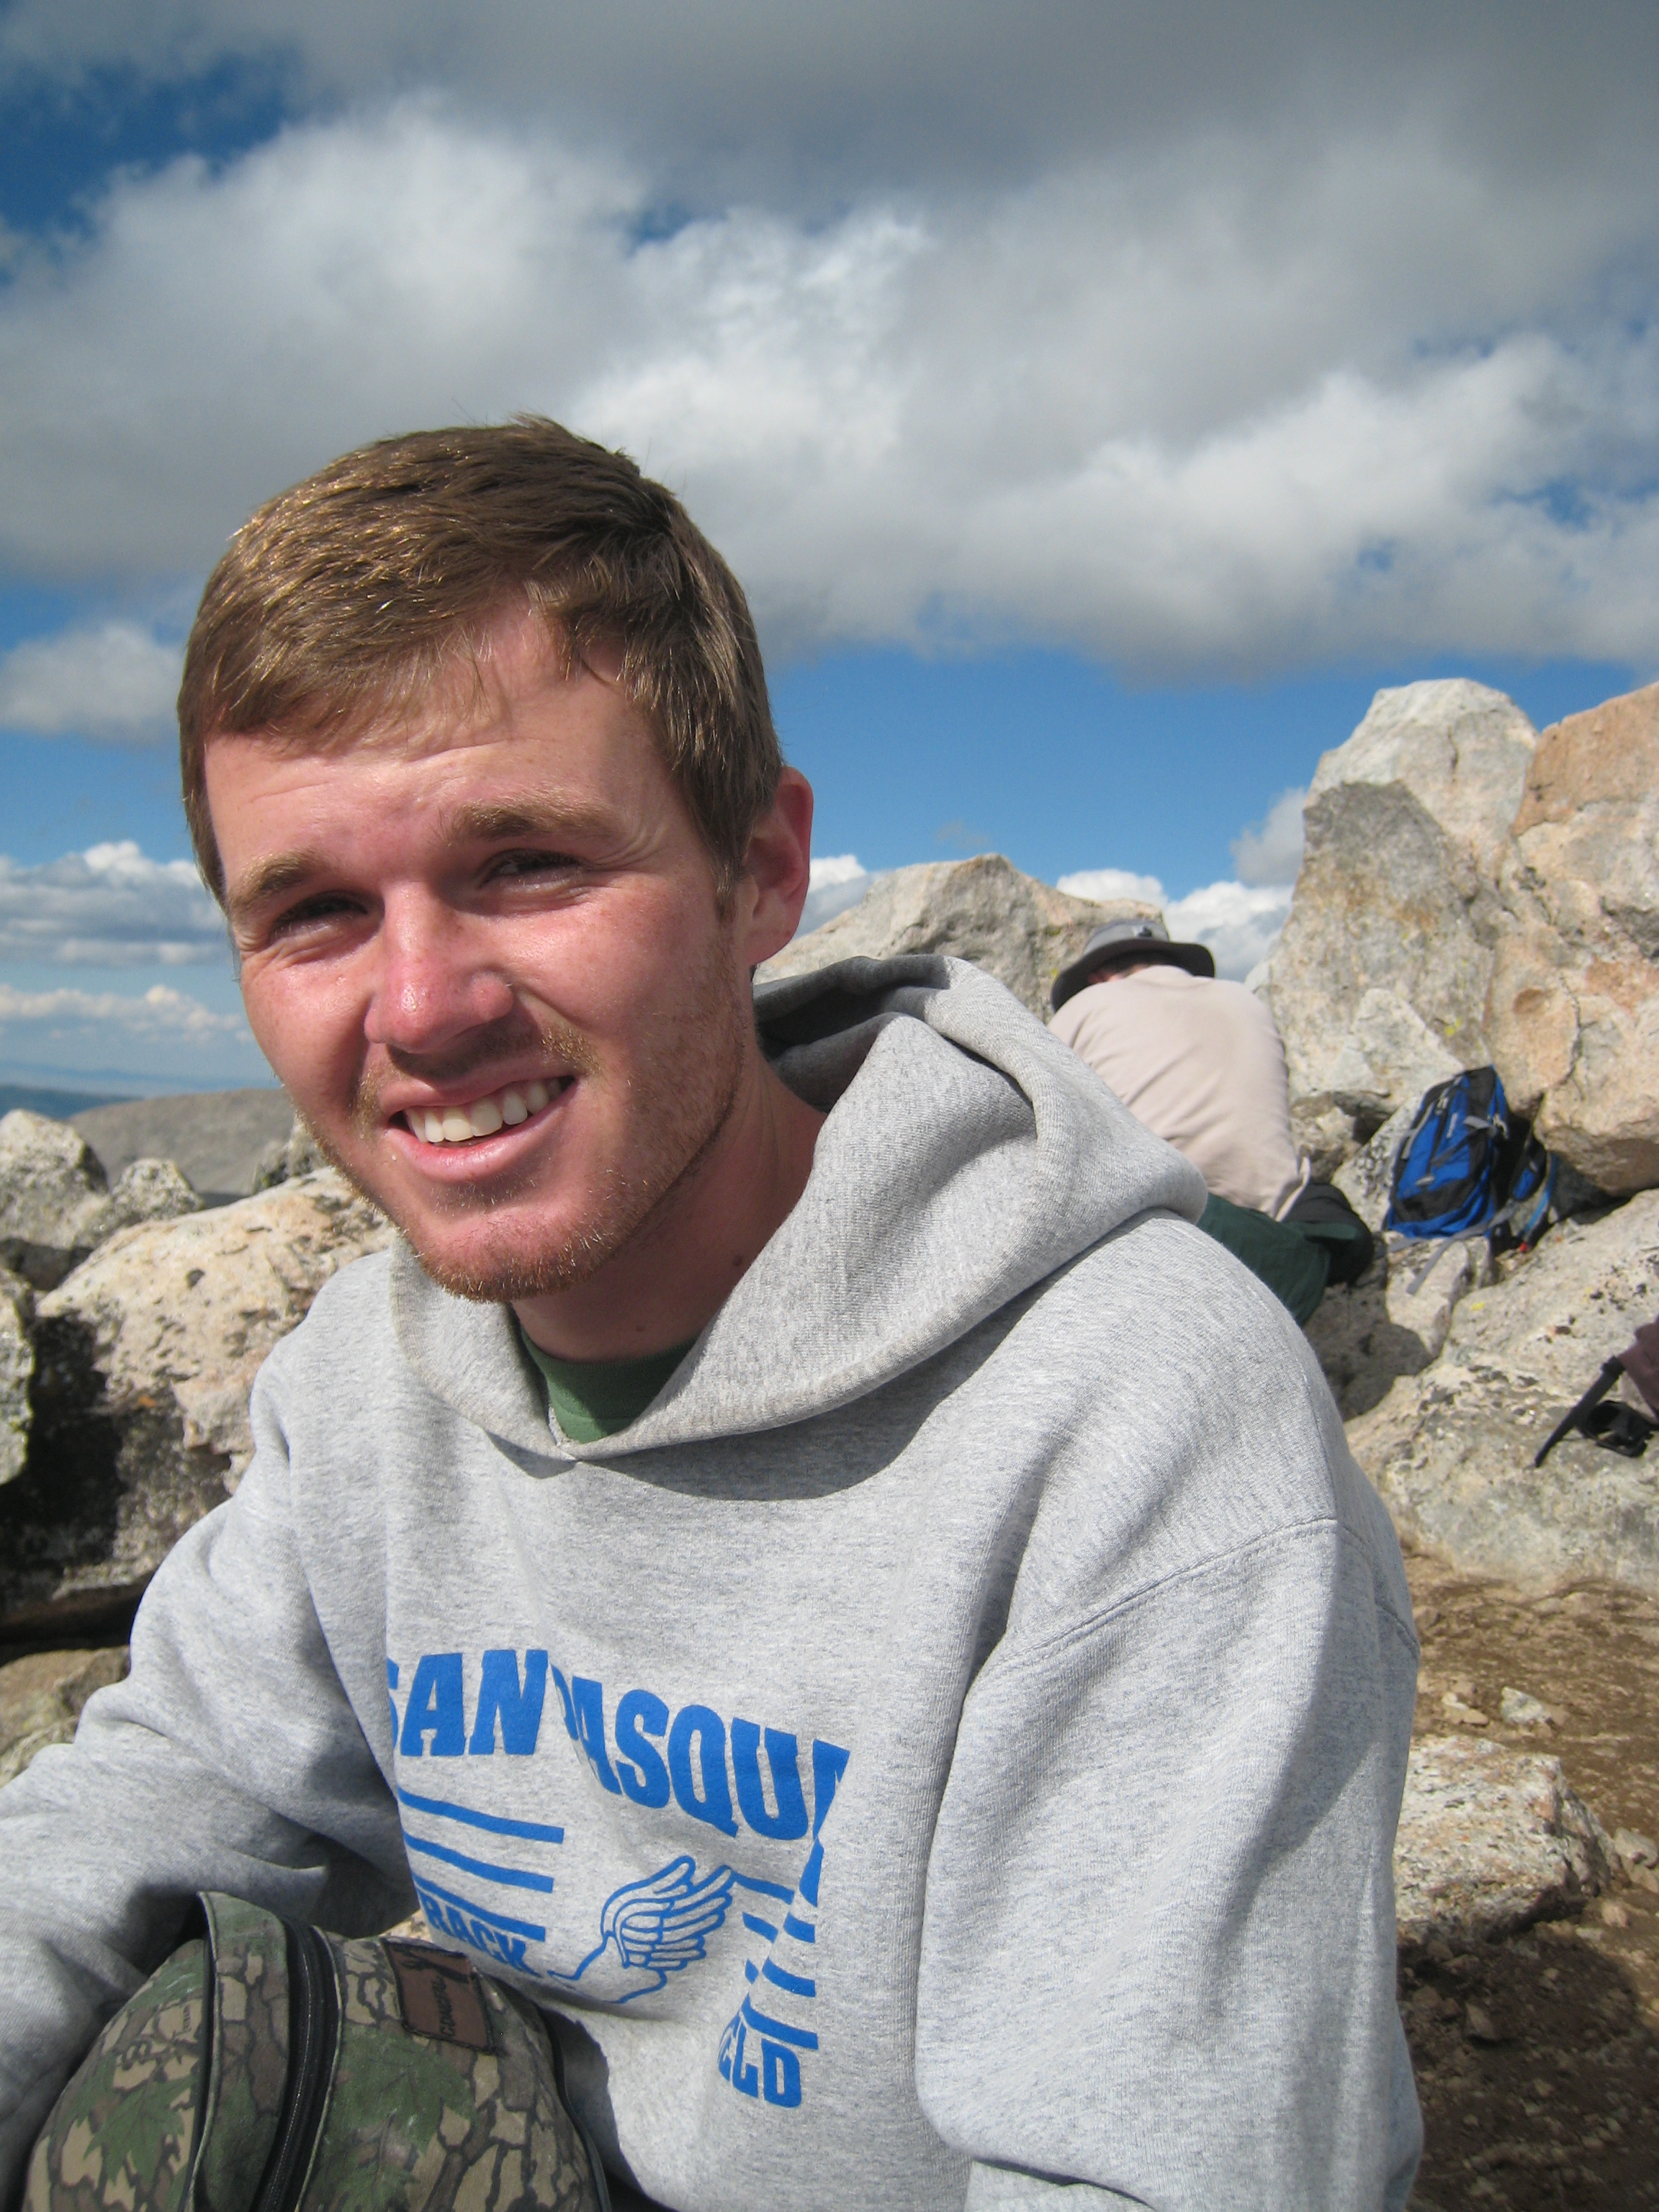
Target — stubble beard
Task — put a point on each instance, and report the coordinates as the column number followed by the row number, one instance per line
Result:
column 680, row 1103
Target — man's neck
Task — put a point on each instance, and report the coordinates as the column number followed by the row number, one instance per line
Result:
column 670, row 1279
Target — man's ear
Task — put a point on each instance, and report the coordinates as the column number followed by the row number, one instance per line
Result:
column 771, row 888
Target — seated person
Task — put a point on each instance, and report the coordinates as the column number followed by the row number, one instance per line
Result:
column 733, row 1559
column 1202, row 1064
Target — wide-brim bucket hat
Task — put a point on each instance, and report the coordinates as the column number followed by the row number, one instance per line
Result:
column 1131, row 940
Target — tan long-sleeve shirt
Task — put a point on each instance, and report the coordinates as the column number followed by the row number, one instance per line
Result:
column 1200, row 1063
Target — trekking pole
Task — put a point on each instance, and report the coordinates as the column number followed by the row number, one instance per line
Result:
column 1612, row 1369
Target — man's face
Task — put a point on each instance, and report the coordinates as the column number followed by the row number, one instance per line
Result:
column 482, row 949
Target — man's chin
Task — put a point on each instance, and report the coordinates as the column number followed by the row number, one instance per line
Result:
column 470, row 1244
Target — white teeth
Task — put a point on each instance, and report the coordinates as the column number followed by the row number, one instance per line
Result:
column 455, row 1125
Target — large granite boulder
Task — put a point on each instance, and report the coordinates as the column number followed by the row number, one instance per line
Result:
column 1489, row 1841
column 1379, row 981
column 1023, row 931
column 145, row 1358
column 56, row 1205
column 1451, row 1447
column 1573, row 1022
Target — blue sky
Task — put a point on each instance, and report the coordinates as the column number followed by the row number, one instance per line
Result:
column 1099, row 406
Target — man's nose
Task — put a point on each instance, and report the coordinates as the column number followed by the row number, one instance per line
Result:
column 435, row 980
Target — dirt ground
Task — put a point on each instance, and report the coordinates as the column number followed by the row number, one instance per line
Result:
column 1538, row 2057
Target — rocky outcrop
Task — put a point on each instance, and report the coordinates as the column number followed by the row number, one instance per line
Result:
column 1022, row 932
column 143, row 1360
column 1470, row 893
column 1573, row 1022
column 1379, row 981
column 56, row 1205
column 1451, row 1447
column 1491, row 1840
column 42, row 1697
column 1395, row 1319
column 16, row 1371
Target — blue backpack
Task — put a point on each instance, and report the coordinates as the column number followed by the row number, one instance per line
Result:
column 1465, row 1167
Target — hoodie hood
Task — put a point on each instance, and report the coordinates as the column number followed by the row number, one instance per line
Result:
column 967, row 1154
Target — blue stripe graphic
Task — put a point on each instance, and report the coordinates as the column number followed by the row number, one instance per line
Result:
column 795, row 1983
column 802, row 1931
column 766, row 1888
column 757, row 1927
column 509, row 1877
column 481, row 1911
column 799, row 2037
column 493, row 1823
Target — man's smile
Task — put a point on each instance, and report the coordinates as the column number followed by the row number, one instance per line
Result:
column 448, row 1123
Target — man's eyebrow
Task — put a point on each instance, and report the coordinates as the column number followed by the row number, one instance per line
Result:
column 483, row 823
column 282, row 872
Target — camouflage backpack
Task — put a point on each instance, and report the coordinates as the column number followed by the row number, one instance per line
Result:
column 269, row 2066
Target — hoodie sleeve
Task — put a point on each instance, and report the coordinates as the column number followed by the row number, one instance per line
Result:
column 1157, row 1954
column 230, row 1759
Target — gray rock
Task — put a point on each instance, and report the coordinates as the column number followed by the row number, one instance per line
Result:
column 54, row 1198
column 1379, row 981
column 1635, row 1849
column 1491, row 1840
column 1023, row 931
column 1520, row 1708
column 1395, row 1319
column 145, row 1356
column 217, row 1138
column 1366, row 1180
column 148, row 1190
column 1573, row 1020
column 16, row 1371
column 1451, row 1448
column 42, row 1697
column 298, row 1154
column 56, row 1205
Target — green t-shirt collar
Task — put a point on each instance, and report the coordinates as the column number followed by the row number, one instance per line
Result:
column 594, row 1398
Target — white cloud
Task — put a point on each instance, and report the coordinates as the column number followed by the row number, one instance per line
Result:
column 158, row 1013
column 1239, row 922
column 1105, row 885
column 1270, row 851
column 109, row 907
column 839, row 880
column 116, row 680
column 1229, row 400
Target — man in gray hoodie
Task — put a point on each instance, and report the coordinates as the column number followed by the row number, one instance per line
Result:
column 802, row 1558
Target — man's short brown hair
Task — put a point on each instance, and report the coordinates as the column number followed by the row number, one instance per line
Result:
column 347, row 596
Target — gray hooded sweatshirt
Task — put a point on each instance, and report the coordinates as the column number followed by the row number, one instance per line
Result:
column 944, row 1753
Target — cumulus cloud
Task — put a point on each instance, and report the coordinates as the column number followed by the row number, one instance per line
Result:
column 157, row 1014
column 839, row 880
column 1225, row 400
column 1104, row 886
column 109, row 907
column 1270, row 851
column 114, row 680
column 1239, row 922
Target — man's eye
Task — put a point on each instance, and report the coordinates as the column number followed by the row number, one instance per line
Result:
column 508, row 868
column 308, row 915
